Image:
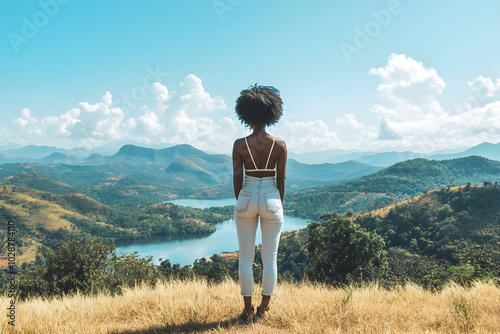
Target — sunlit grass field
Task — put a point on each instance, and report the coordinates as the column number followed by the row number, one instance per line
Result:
column 198, row 307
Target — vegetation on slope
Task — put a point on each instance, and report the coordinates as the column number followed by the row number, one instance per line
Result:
column 44, row 219
column 399, row 181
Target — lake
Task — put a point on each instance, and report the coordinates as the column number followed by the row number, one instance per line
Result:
column 186, row 250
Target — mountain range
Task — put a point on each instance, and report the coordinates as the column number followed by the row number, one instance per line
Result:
column 156, row 174
column 385, row 159
column 11, row 153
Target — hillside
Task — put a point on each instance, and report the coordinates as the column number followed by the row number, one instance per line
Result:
column 37, row 219
column 448, row 234
column 197, row 307
column 399, row 181
column 441, row 223
column 39, row 182
column 43, row 219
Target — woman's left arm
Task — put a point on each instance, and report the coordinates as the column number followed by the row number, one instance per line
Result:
column 237, row 170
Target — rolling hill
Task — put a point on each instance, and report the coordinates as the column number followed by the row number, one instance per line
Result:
column 441, row 222
column 39, row 216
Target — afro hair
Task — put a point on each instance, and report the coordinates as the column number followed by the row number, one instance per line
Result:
column 259, row 105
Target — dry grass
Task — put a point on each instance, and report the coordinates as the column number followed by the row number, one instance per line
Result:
column 197, row 307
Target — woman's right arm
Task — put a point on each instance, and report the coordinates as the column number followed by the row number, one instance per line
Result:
column 237, row 170
column 281, row 171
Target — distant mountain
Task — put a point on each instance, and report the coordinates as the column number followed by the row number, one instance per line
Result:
column 35, row 152
column 487, row 150
column 95, row 158
column 329, row 172
column 389, row 158
column 3, row 159
column 58, row 157
column 137, row 155
column 187, row 169
column 143, row 155
column 45, row 154
column 112, row 152
column 326, row 156
column 9, row 146
column 385, row 159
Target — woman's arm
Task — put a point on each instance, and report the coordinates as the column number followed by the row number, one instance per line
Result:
column 281, row 171
column 237, row 170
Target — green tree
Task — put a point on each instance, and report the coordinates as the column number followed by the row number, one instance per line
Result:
column 340, row 252
column 75, row 266
column 129, row 270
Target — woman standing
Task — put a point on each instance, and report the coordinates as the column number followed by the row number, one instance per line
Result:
column 259, row 166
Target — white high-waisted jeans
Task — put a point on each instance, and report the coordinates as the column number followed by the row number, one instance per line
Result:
column 259, row 197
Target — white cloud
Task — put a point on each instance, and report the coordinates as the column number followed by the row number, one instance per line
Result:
column 178, row 117
column 161, row 93
column 57, row 126
column 307, row 136
column 181, row 117
column 414, row 118
column 60, row 125
column 483, row 91
column 407, row 82
column 99, row 120
column 149, row 124
column 350, row 121
column 193, row 96
column 408, row 118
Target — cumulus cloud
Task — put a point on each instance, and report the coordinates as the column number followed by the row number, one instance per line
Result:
column 193, row 95
column 26, row 122
column 307, row 136
column 414, row 119
column 406, row 81
column 51, row 125
column 408, row 117
column 99, row 120
column 180, row 116
column 483, row 91
column 350, row 121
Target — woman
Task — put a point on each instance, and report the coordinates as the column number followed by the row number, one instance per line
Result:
column 261, row 159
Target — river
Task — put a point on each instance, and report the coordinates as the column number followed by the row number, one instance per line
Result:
column 186, row 250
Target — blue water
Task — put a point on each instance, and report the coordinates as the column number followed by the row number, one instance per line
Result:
column 187, row 250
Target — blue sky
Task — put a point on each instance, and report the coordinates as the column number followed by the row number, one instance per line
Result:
column 419, row 76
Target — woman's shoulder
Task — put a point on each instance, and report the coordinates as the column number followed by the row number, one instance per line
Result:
column 280, row 142
column 239, row 143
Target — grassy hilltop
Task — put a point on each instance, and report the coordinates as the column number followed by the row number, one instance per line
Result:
column 194, row 306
